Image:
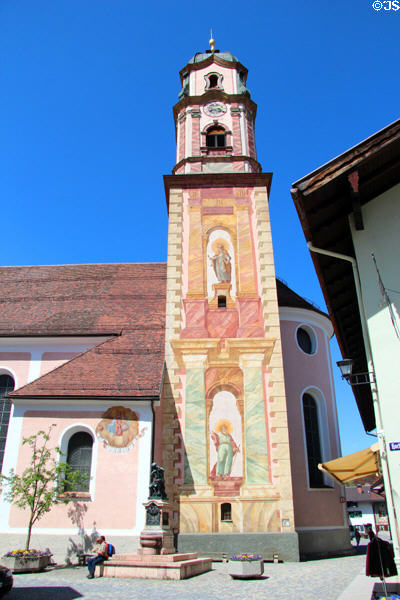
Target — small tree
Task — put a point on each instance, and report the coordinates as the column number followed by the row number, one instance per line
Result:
column 47, row 480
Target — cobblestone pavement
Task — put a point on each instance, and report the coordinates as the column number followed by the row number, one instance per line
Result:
column 286, row 581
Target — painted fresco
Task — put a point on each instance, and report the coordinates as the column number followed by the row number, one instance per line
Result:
column 225, row 443
column 222, row 354
column 119, row 429
column 221, row 265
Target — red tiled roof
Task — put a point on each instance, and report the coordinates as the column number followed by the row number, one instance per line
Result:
column 127, row 299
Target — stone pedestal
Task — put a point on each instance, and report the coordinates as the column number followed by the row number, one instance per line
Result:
column 139, row 566
column 156, row 537
column 156, row 558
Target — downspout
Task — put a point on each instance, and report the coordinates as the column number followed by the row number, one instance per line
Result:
column 374, row 391
column 152, row 431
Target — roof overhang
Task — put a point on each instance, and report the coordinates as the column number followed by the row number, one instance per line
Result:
column 324, row 200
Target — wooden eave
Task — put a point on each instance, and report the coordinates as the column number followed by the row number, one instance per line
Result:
column 324, row 200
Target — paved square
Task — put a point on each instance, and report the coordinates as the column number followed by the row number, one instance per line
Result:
column 287, row 581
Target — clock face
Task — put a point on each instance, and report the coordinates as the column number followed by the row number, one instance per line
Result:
column 215, row 109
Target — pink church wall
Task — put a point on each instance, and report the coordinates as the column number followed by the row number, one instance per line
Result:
column 227, row 83
column 52, row 360
column 304, row 371
column 17, row 363
column 115, row 471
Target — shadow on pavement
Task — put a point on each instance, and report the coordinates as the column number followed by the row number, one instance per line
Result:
column 43, row 593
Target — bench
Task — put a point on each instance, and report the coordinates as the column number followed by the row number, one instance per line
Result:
column 83, row 558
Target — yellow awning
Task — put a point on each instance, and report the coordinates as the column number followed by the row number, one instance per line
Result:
column 359, row 467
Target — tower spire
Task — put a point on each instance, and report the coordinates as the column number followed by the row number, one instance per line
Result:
column 212, row 42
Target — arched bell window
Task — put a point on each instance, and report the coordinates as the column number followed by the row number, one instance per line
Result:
column 213, row 81
column 216, row 137
column 6, row 386
column 79, row 456
column 313, row 440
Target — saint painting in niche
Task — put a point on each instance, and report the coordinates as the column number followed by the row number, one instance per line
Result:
column 119, row 429
column 226, row 448
column 221, row 263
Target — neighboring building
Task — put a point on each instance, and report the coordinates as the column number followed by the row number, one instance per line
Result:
column 365, row 507
column 206, row 364
column 350, row 214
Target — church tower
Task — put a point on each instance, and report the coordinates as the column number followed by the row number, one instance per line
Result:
column 223, row 416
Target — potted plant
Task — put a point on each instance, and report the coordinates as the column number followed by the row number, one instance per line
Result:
column 26, row 561
column 245, row 566
column 42, row 485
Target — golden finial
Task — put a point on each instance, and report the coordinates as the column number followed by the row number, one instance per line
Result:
column 212, row 42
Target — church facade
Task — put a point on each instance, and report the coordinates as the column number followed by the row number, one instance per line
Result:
column 208, row 364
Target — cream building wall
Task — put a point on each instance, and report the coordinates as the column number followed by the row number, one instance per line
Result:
column 381, row 237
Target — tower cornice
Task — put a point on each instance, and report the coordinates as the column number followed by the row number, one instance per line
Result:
column 216, row 180
column 218, row 159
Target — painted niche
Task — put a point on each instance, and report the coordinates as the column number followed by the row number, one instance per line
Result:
column 220, row 261
column 118, row 429
column 225, row 442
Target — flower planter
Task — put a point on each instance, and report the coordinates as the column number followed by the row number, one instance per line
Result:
column 25, row 565
column 245, row 569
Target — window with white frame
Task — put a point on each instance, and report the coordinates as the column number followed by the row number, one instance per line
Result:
column 306, row 339
column 79, row 456
column 7, row 385
column 313, row 440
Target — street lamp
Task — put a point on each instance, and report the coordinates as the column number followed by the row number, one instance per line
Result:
column 346, row 370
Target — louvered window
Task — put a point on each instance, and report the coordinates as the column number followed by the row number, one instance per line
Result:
column 215, row 138
column 79, row 456
column 6, row 386
column 313, row 440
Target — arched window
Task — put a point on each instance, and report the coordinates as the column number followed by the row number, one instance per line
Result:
column 313, row 440
column 6, row 386
column 226, row 512
column 215, row 137
column 79, row 456
column 213, row 81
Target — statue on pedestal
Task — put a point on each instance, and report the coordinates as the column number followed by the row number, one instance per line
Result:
column 157, row 485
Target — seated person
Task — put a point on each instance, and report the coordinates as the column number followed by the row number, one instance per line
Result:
column 101, row 554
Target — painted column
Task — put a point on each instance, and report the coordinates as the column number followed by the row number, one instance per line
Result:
column 256, row 460
column 195, row 463
column 236, row 131
column 188, row 139
column 195, row 261
column 196, row 115
column 180, row 150
column 247, row 276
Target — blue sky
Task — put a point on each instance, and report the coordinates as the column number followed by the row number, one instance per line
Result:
column 87, row 131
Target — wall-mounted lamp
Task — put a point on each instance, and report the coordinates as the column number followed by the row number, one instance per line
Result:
column 346, row 370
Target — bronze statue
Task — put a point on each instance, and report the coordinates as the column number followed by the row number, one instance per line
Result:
column 157, row 485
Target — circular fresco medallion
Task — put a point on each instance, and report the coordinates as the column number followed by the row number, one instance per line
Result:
column 215, row 109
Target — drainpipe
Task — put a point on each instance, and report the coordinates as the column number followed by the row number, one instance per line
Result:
column 374, row 391
column 152, row 430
